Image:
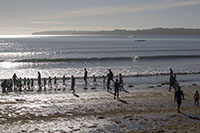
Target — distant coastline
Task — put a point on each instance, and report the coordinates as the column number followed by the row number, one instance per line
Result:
column 154, row 31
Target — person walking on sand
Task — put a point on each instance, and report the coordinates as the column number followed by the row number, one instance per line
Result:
column 179, row 96
column 73, row 83
column 85, row 76
column 196, row 98
column 117, row 85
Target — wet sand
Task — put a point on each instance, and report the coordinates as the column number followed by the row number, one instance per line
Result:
column 139, row 110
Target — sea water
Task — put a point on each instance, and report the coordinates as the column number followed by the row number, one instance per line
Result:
column 141, row 60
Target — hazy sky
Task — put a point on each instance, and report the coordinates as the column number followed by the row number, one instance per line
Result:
column 27, row 16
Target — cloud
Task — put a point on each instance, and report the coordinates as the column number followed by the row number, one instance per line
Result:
column 46, row 22
column 123, row 9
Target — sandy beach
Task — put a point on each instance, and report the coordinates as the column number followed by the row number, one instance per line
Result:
column 138, row 110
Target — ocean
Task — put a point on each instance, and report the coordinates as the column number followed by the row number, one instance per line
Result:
column 142, row 60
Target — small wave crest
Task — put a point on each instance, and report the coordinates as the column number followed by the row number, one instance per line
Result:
column 130, row 50
column 168, row 57
column 134, row 58
column 74, row 59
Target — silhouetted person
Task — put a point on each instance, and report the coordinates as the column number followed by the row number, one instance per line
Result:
column 15, row 78
column 121, row 83
column 50, row 83
column 171, row 72
column 64, row 78
column 39, row 81
column 10, row 85
column 110, row 76
column 20, row 84
column 108, row 83
column 4, row 86
column 196, row 98
column 179, row 96
column 55, row 80
column 173, row 82
column 32, row 84
column 117, row 85
column 85, row 76
column 171, row 79
column 28, row 84
column 94, row 81
column 24, row 83
column 176, row 84
column 73, row 83
column 45, row 83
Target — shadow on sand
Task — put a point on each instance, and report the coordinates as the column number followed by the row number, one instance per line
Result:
column 191, row 116
column 125, row 90
column 111, row 92
column 123, row 101
column 75, row 94
column 119, row 99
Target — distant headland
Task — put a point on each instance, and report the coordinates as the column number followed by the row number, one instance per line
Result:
column 154, row 31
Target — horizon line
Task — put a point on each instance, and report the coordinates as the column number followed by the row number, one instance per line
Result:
column 127, row 29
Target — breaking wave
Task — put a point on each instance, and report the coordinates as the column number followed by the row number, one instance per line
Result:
column 110, row 58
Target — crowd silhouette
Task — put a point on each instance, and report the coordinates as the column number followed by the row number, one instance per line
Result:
column 179, row 95
column 17, row 84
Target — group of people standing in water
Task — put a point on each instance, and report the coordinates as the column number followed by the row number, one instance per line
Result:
column 118, row 83
column 27, row 84
column 179, row 95
column 16, row 84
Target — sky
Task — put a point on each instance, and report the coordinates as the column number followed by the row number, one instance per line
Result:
column 27, row 16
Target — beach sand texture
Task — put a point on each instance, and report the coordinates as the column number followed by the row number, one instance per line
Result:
column 139, row 110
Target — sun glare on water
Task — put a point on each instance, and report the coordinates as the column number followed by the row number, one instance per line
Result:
column 16, row 36
column 33, row 36
column 8, row 65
